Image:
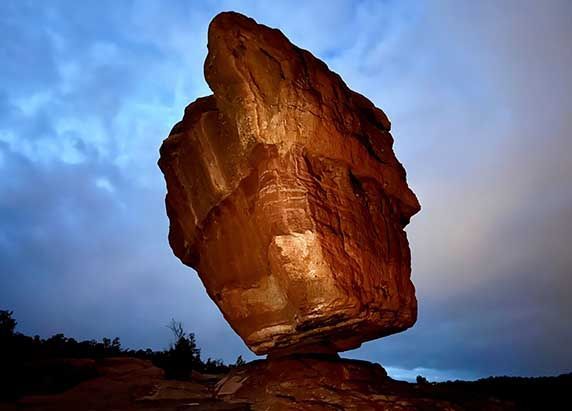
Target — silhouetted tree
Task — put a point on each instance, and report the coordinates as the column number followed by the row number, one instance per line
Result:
column 183, row 355
column 239, row 361
column 184, row 344
column 7, row 324
column 177, row 329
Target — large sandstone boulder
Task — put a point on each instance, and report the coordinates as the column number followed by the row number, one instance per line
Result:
column 285, row 195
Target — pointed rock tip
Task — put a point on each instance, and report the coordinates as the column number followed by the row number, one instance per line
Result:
column 229, row 19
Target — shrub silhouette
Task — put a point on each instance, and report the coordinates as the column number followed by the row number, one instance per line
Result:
column 239, row 361
column 183, row 355
column 215, row 367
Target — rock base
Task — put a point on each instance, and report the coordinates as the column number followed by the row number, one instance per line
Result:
column 318, row 383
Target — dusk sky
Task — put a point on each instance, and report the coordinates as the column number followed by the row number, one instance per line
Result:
column 480, row 98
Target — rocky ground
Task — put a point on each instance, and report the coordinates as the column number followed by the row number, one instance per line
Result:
column 300, row 383
column 128, row 384
column 322, row 383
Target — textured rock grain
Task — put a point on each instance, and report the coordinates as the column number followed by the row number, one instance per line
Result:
column 316, row 384
column 285, row 195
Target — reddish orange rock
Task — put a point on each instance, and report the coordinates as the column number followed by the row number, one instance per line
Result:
column 314, row 383
column 285, row 195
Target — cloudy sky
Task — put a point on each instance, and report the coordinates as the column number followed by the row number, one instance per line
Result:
column 480, row 97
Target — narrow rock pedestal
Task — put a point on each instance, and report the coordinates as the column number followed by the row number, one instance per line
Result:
column 320, row 383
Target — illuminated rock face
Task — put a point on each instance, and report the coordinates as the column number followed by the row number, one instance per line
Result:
column 285, row 195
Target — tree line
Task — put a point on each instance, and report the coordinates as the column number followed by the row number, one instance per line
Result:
column 27, row 361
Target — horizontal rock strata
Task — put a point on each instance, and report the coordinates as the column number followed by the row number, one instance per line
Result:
column 285, row 195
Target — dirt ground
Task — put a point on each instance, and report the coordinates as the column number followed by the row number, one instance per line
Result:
column 128, row 384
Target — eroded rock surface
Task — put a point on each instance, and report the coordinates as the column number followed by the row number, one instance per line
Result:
column 285, row 195
column 314, row 383
column 297, row 383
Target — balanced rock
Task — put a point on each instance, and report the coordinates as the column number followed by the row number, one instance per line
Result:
column 285, row 195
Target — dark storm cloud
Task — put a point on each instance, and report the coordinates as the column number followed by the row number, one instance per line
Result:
column 84, row 106
column 479, row 97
